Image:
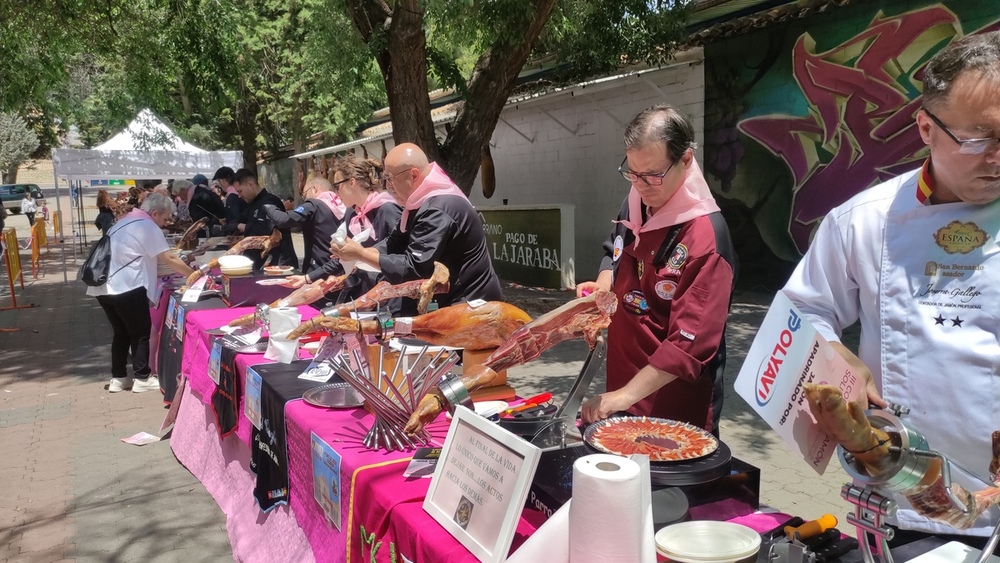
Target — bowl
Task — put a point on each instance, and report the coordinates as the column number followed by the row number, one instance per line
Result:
column 704, row 541
column 235, row 265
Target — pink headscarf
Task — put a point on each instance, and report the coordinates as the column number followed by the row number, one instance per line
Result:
column 359, row 221
column 692, row 199
column 332, row 201
column 436, row 183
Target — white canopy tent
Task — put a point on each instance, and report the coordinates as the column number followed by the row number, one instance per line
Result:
column 146, row 149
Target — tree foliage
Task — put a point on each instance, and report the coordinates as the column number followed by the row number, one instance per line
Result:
column 17, row 141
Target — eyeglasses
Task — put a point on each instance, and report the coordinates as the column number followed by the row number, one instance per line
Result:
column 649, row 179
column 388, row 178
column 336, row 185
column 966, row 146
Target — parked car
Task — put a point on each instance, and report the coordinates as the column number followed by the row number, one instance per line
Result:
column 12, row 194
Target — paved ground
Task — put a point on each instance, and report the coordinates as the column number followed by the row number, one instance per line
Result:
column 74, row 491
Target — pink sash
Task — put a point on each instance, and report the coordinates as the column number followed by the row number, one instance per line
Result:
column 436, row 183
column 333, row 202
column 360, row 222
column 693, row 199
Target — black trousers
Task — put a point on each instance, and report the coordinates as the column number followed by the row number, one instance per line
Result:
column 31, row 218
column 128, row 314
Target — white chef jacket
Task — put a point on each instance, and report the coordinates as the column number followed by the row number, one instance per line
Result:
column 924, row 280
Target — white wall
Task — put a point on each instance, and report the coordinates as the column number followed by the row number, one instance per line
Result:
column 580, row 167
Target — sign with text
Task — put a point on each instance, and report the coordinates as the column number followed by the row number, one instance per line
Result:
column 480, row 483
column 531, row 245
column 786, row 354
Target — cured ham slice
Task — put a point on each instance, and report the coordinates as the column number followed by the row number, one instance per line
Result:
column 658, row 438
column 304, row 295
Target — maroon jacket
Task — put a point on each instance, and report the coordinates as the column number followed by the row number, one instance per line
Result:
column 672, row 314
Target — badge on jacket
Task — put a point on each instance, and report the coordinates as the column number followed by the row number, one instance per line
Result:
column 619, row 244
column 678, row 258
column 635, row 302
column 665, row 289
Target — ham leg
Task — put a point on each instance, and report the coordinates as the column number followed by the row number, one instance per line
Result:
column 302, row 296
column 584, row 317
column 263, row 242
column 383, row 292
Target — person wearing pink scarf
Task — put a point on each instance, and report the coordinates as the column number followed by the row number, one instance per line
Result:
column 438, row 224
column 319, row 216
column 671, row 263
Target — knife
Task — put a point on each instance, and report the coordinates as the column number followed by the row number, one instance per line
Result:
column 536, row 400
column 812, row 528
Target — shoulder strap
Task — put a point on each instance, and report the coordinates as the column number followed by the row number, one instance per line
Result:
column 122, row 226
column 668, row 245
column 130, row 261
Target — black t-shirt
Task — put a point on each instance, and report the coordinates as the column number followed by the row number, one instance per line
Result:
column 317, row 221
column 258, row 222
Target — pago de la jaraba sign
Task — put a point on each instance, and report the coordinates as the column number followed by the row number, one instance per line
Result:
column 531, row 245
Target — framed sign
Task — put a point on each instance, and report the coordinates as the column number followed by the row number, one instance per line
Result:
column 480, row 483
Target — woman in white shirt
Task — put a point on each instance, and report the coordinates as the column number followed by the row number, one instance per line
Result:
column 29, row 207
column 137, row 244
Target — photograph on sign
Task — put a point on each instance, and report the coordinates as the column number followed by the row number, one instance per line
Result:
column 480, row 484
column 326, row 479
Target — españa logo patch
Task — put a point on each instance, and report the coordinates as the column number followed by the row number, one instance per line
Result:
column 960, row 238
column 635, row 302
column 678, row 258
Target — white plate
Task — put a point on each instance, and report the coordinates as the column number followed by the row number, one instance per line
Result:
column 485, row 406
column 704, row 541
column 952, row 552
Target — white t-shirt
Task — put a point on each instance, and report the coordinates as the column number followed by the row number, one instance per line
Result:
column 28, row 206
column 136, row 241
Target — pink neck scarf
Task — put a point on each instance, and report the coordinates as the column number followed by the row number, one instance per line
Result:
column 232, row 191
column 332, row 201
column 436, row 183
column 360, row 222
column 692, row 199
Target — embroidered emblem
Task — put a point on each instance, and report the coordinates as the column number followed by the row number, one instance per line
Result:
column 300, row 209
column 635, row 303
column 960, row 238
column 463, row 513
column 619, row 243
column 640, row 267
column 668, row 271
column 665, row 289
column 678, row 258
column 687, row 334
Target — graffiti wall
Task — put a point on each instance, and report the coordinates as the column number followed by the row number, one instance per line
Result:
column 800, row 117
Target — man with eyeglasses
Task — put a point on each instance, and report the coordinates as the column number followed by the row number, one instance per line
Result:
column 258, row 221
column 671, row 263
column 319, row 215
column 438, row 224
column 916, row 260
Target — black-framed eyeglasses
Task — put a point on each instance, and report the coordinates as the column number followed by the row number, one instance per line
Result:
column 336, row 185
column 965, row 146
column 649, row 179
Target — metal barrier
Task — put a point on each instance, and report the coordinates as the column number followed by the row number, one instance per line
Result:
column 38, row 239
column 12, row 256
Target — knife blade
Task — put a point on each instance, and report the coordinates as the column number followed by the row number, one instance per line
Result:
column 536, row 400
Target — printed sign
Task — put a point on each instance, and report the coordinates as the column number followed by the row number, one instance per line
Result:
column 251, row 401
column 319, row 369
column 531, row 245
column 326, row 479
column 787, row 353
column 215, row 361
column 480, row 484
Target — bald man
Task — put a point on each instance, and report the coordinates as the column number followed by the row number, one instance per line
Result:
column 438, row 224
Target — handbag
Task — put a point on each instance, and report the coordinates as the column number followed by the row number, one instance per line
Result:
column 94, row 271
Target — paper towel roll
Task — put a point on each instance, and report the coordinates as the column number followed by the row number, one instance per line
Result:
column 550, row 543
column 607, row 517
column 282, row 320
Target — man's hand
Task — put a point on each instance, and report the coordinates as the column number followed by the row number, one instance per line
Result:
column 603, row 281
column 602, row 406
column 294, row 282
column 289, row 204
column 350, row 250
column 871, row 395
column 242, row 227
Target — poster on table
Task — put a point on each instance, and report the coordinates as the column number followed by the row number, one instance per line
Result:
column 168, row 319
column 215, row 361
column 480, row 484
column 251, row 400
column 786, row 354
column 326, row 479
column 179, row 322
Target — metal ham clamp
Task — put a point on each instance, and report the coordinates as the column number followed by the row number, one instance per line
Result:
column 911, row 465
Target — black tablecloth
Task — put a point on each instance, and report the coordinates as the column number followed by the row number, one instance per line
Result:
column 168, row 365
column 268, row 447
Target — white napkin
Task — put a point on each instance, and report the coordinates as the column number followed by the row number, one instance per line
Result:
column 340, row 237
column 283, row 320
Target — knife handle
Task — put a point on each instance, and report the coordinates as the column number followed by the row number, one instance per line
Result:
column 779, row 530
column 812, row 528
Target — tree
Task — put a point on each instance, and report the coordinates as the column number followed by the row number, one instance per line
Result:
column 590, row 35
column 17, row 141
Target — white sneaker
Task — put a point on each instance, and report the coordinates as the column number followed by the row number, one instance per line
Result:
column 119, row 385
column 141, row 385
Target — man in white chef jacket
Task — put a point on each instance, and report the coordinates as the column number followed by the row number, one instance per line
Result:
column 917, row 260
